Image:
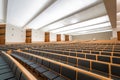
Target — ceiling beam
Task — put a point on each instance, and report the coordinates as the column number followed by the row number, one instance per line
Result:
column 75, row 23
column 72, row 14
column 49, row 3
column 84, row 26
column 110, row 6
column 5, row 3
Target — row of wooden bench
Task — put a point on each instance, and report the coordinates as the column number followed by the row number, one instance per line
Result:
column 117, row 54
column 55, row 70
column 91, row 65
column 104, row 58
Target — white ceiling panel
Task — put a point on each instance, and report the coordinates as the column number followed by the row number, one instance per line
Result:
column 21, row 11
column 58, row 10
column 107, row 24
column 78, row 17
column 83, row 24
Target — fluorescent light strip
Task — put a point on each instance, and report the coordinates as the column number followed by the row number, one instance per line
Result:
column 52, row 26
column 83, row 24
column 60, row 9
column 92, row 32
column 88, row 27
column 80, row 17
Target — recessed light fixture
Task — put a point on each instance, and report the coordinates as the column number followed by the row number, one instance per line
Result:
column 74, row 21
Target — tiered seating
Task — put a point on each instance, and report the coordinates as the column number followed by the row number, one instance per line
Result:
column 97, row 57
column 56, row 60
column 9, row 70
column 91, row 65
column 54, row 70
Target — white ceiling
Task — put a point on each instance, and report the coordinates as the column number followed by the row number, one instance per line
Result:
column 74, row 17
column 118, row 12
column 1, row 11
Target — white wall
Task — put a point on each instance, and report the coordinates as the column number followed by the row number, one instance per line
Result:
column 53, row 37
column 38, row 36
column 114, row 32
column 62, row 37
column 70, row 38
column 14, row 34
column 95, row 36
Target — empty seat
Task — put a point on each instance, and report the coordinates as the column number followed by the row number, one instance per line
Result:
column 46, row 63
column 83, row 64
column 116, row 60
column 56, row 57
column 39, row 61
column 89, row 56
column 60, row 78
column 6, row 76
column 69, row 73
column 50, row 75
column 82, row 76
column 104, row 58
column 63, row 58
column 115, row 70
column 40, row 70
column 95, row 52
column 106, row 53
column 66, row 52
column 55, row 67
column 81, row 55
column 72, row 61
column 116, row 54
column 100, row 67
column 2, row 71
column 72, row 53
column 86, row 51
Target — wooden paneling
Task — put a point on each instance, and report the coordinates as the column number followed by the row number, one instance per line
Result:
column 118, row 35
column 58, row 37
column 28, row 36
column 66, row 37
column 47, row 37
column 2, row 33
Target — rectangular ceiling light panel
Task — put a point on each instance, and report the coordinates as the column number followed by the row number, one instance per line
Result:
column 91, row 32
column 88, row 28
column 58, row 10
column 83, row 24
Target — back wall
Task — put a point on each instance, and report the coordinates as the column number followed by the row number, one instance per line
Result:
column 95, row 36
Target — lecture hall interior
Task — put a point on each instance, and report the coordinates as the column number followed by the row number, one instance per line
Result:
column 59, row 39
